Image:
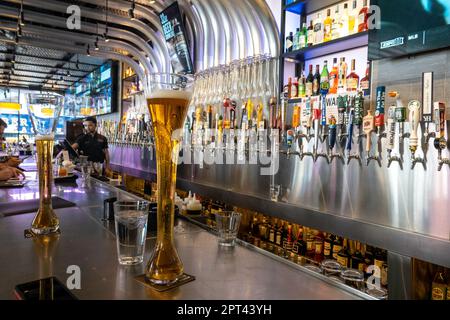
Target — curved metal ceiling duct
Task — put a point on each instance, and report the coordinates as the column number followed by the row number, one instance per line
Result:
column 224, row 29
column 162, row 63
column 76, row 50
column 43, row 32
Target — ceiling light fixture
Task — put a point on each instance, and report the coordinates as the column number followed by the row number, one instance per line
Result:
column 22, row 16
column 131, row 11
column 105, row 35
column 88, row 50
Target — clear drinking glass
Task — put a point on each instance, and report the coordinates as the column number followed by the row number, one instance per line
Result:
column 169, row 96
column 44, row 110
column 228, row 226
column 131, row 230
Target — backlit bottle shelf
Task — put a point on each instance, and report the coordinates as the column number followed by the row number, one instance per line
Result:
column 353, row 41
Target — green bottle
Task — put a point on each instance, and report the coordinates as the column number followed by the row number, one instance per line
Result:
column 325, row 79
column 303, row 39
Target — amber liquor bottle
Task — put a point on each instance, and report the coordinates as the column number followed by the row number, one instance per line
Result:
column 357, row 259
column 343, row 257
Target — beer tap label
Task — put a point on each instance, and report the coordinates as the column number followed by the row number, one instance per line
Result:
column 359, row 109
column 332, row 110
column 341, row 110
column 379, row 112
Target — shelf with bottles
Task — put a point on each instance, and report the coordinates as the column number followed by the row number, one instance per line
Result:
column 130, row 78
column 350, row 42
column 339, row 21
column 339, row 79
column 430, row 281
column 332, row 256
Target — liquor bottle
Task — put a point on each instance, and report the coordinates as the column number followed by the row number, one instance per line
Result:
column 324, row 79
column 352, row 79
column 254, row 229
column 357, row 259
column 337, row 246
column 288, row 241
column 310, row 248
column 318, row 247
column 294, row 89
column 334, row 78
column 352, row 27
column 279, row 235
column 310, row 37
column 362, row 17
column 368, row 257
column 344, row 21
column 439, row 286
column 337, row 24
column 327, row 27
column 298, row 245
column 264, row 230
column 302, row 85
column 379, row 258
column 309, row 82
column 289, row 42
column 328, row 246
column 296, row 41
column 272, row 231
column 343, row 256
column 364, row 84
column 316, row 82
column 342, row 83
column 303, row 39
column 318, row 29
column 288, row 90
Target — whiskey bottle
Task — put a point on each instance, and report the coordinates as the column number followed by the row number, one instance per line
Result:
column 362, row 17
column 328, row 246
column 310, row 244
column 439, row 286
column 301, row 244
column 343, row 256
column 310, row 37
column 364, row 84
column 279, row 235
column 287, row 243
column 357, row 259
column 272, row 231
column 318, row 247
column 337, row 246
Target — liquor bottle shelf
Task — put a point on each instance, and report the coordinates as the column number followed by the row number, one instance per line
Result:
column 130, row 78
column 334, row 46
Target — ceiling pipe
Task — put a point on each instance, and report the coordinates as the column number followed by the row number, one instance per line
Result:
column 159, row 44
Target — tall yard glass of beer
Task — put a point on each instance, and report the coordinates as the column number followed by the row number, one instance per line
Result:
column 169, row 96
column 44, row 111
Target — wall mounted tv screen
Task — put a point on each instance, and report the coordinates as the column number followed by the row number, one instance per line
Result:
column 175, row 35
column 410, row 27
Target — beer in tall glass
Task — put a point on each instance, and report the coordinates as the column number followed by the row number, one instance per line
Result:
column 168, row 109
column 45, row 221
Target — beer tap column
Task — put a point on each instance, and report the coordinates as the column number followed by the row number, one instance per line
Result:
column 440, row 142
column 414, row 120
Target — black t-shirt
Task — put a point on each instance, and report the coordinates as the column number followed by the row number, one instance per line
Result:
column 93, row 146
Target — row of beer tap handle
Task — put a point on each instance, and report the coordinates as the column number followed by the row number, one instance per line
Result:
column 135, row 133
column 338, row 126
column 340, row 123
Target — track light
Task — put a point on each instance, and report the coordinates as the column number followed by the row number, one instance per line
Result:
column 96, row 45
column 22, row 18
column 19, row 31
column 68, row 73
column 105, row 35
column 16, row 39
column 131, row 11
column 88, row 51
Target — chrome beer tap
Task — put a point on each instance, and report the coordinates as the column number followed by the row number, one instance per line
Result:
column 368, row 128
column 397, row 114
column 320, row 124
column 350, row 125
column 414, row 121
column 440, row 142
column 306, row 123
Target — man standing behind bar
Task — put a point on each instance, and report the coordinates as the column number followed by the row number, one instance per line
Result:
column 92, row 144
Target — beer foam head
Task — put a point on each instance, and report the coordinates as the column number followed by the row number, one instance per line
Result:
column 45, row 137
column 171, row 94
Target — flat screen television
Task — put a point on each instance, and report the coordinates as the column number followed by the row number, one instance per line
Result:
column 175, row 35
column 410, row 27
column 95, row 94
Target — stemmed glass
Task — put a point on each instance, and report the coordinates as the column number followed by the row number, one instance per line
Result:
column 44, row 110
column 169, row 96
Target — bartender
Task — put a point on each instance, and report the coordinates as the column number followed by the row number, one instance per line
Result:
column 92, row 144
column 8, row 168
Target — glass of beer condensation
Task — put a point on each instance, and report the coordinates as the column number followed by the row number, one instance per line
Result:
column 44, row 111
column 168, row 100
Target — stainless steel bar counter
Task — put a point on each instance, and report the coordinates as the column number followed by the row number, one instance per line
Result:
column 89, row 243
